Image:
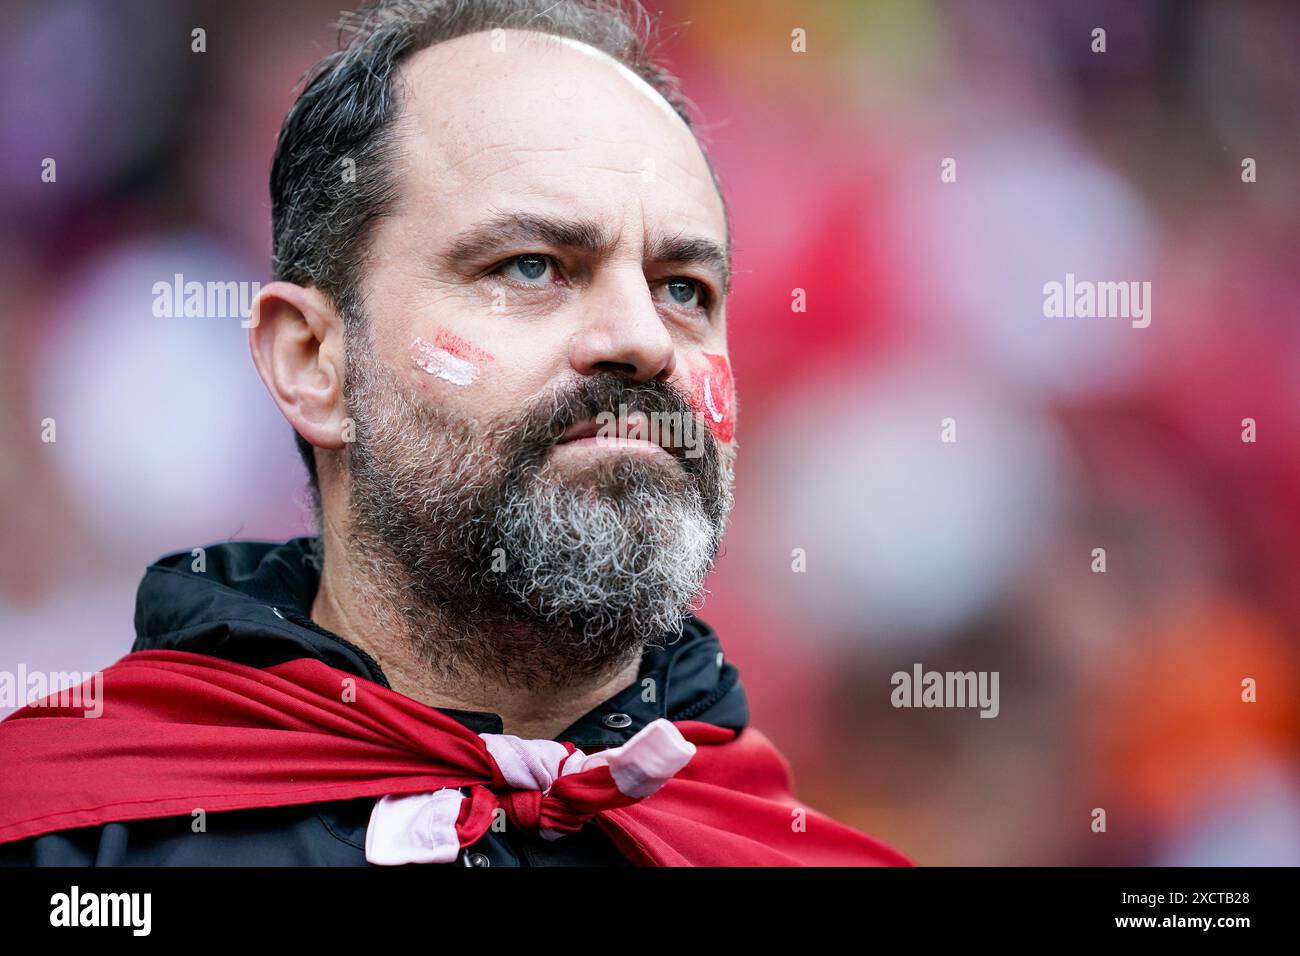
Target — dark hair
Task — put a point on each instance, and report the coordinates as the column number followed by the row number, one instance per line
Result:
column 320, row 218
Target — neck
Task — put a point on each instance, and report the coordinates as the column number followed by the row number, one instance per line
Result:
column 353, row 601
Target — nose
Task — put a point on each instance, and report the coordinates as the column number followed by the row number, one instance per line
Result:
column 621, row 330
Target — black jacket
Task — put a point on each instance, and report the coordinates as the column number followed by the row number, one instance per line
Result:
column 252, row 605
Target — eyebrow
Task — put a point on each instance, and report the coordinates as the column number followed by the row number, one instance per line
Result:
column 507, row 229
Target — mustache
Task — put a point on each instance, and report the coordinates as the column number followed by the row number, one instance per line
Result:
column 597, row 395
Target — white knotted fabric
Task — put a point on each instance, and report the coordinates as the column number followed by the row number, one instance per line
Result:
column 421, row 827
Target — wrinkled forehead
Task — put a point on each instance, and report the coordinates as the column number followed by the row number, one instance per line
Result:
column 524, row 112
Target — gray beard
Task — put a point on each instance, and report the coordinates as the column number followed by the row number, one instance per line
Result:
column 501, row 568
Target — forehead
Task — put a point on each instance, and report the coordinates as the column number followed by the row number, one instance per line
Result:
column 516, row 119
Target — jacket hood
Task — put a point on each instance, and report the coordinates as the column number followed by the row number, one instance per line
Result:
column 250, row 602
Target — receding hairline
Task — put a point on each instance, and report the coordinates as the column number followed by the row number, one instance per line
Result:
column 558, row 41
column 555, row 42
column 476, row 41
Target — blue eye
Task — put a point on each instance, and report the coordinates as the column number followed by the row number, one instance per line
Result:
column 529, row 267
column 684, row 292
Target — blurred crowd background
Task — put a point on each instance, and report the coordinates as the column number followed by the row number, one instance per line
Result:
column 1119, row 690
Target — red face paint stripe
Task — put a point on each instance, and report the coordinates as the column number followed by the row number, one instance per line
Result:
column 459, row 347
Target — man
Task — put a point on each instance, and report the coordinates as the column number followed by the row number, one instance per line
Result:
column 498, row 330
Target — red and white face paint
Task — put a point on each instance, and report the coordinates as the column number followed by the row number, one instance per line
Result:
column 713, row 397
column 449, row 357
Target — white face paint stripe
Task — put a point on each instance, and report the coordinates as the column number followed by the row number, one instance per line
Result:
column 708, row 401
column 442, row 364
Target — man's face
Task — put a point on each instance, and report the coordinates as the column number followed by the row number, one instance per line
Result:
column 558, row 250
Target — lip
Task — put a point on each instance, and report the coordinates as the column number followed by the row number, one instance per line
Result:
column 587, row 434
column 585, row 429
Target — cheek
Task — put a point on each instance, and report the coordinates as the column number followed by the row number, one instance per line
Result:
column 712, row 395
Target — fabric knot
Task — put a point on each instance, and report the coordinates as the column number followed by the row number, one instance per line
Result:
column 543, row 786
column 523, row 808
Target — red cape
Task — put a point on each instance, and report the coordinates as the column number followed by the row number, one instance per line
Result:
column 181, row 731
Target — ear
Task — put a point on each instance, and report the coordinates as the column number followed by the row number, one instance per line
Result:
column 296, row 338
